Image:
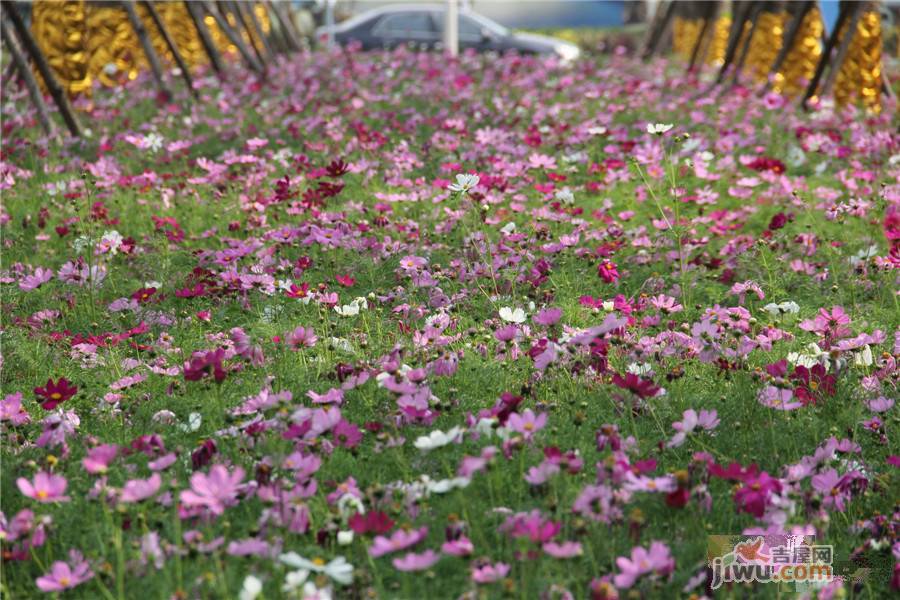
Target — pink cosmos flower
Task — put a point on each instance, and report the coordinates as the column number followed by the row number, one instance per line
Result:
column 64, row 576
column 833, row 489
column 215, row 491
column 461, row 546
column 399, row 540
column 11, row 410
column 527, row 423
column 531, row 525
column 137, row 490
column 562, row 550
column 163, row 462
column 657, row 561
column 540, row 474
column 642, row 483
column 346, row 434
column 45, row 488
column 706, row 419
column 548, row 316
column 416, row 562
column 778, row 398
column 490, row 573
column 98, row 459
column 36, row 279
column 302, row 337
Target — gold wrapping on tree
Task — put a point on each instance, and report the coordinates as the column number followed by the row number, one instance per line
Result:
column 719, row 45
column 800, row 63
column 684, row 35
column 765, row 44
column 59, row 30
column 859, row 79
column 94, row 41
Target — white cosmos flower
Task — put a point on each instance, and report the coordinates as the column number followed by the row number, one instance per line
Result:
column 251, row 589
column 338, row 569
column 341, row 344
column 194, row 421
column 638, row 368
column 345, row 538
column 294, row 579
column 464, row 183
column 437, row 438
column 864, row 357
column 565, row 196
column 597, row 130
column 782, row 308
column 658, row 128
column 508, row 228
column 512, row 316
column 352, row 309
column 352, row 500
column 444, row 485
column 485, row 426
column 810, row 359
column 153, row 142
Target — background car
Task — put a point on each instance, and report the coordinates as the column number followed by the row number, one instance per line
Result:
column 422, row 26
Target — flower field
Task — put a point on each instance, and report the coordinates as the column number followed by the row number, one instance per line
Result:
column 387, row 326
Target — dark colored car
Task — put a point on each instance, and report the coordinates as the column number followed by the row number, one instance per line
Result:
column 422, row 26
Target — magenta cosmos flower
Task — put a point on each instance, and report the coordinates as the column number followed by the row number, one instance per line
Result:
column 45, row 488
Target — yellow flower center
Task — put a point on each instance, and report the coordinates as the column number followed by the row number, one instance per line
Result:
column 55, row 395
column 42, row 494
column 319, row 562
column 64, row 581
column 651, row 485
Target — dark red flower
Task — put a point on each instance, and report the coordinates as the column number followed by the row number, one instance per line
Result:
column 812, row 384
column 204, row 364
column 778, row 221
column 636, row 385
column 374, row 521
column 679, row 498
column 202, row 455
column 143, row 294
column 55, row 394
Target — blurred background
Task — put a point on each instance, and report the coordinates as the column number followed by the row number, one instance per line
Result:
column 595, row 25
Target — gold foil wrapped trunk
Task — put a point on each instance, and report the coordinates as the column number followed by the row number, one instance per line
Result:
column 719, row 45
column 800, row 63
column 765, row 44
column 89, row 41
column 684, row 35
column 859, row 79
